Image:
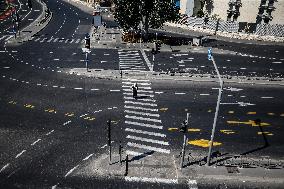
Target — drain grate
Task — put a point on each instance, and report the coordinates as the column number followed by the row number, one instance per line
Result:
column 232, row 169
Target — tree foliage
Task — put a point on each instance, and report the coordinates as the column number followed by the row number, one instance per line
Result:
column 152, row 13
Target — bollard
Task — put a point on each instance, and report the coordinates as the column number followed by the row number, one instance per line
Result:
column 126, row 166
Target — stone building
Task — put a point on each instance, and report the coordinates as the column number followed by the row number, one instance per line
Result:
column 250, row 11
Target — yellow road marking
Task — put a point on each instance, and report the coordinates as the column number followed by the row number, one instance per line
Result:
column 282, row 115
column 270, row 113
column 251, row 113
column 194, row 130
column 164, row 109
column 114, row 122
column 250, row 122
column 49, row 110
column 69, row 114
column 29, row 106
column 173, row 129
column 266, row 133
column 203, row 143
column 227, row 131
column 231, row 112
column 12, row 102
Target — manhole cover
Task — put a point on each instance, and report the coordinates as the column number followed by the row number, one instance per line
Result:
column 232, row 169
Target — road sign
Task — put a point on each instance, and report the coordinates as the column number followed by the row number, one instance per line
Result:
column 209, row 54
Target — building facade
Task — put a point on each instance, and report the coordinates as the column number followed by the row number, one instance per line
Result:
column 250, row 11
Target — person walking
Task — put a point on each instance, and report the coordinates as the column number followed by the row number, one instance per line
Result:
column 134, row 90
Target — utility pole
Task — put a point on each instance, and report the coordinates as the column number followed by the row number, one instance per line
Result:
column 210, row 57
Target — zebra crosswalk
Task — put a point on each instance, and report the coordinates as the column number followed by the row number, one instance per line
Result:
column 57, row 40
column 142, row 120
column 131, row 60
column 5, row 38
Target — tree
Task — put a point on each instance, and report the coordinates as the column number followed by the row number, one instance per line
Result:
column 151, row 13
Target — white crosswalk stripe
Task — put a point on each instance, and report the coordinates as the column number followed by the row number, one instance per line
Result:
column 131, row 60
column 141, row 113
column 145, row 132
column 147, row 140
column 140, row 103
column 141, row 108
column 52, row 39
column 146, row 147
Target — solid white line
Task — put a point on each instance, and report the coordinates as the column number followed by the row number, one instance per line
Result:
column 86, row 158
column 145, row 132
column 142, row 146
column 4, row 167
column 69, row 172
column 143, row 119
column 19, row 154
column 144, row 125
column 140, row 103
column 35, row 142
column 49, row 132
column 141, row 113
column 147, row 140
column 151, row 180
column 141, row 108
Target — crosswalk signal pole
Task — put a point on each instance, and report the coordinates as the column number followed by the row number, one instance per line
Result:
column 184, row 130
column 210, row 57
column 109, row 139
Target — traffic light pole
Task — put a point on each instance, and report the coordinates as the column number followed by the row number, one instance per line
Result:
column 184, row 142
column 216, row 112
column 87, row 61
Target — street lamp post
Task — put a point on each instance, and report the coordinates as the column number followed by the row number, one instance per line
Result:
column 210, row 57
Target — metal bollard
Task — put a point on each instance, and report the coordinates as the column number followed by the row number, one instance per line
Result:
column 126, row 166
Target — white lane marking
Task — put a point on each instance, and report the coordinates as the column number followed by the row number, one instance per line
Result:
column 204, row 94
column 140, row 94
column 95, row 89
column 243, row 68
column 19, row 154
column 35, row 142
column 36, row 10
column 140, row 80
column 143, row 91
column 276, row 62
column 83, row 115
column 267, row 97
column 144, row 125
column 130, row 83
column 86, row 158
column 78, row 88
column 6, row 67
column 142, row 146
column 145, row 132
column 114, row 90
column 4, row 167
column 179, row 93
column 140, row 99
column 54, row 186
column 56, row 59
column 106, row 145
column 147, row 140
column 71, row 170
column 151, row 180
column 140, row 103
column 133, row 153
column 49, row 132
column 159, row 92
column 129, row 86
column 77, row 41
column 141, row 108
column 66, row 123
column 143, row 119
column 141, row 113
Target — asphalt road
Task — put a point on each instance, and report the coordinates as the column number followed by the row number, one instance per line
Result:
column 53, row 122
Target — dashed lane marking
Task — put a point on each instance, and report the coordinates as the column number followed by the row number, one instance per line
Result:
column 35, row 142
column 86, row 158
column 66, row 123
column 267, row 97
column 4, row 167
column 49, row 132
column 19, row 154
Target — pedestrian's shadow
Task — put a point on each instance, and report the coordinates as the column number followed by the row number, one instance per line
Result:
column 145, row 154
